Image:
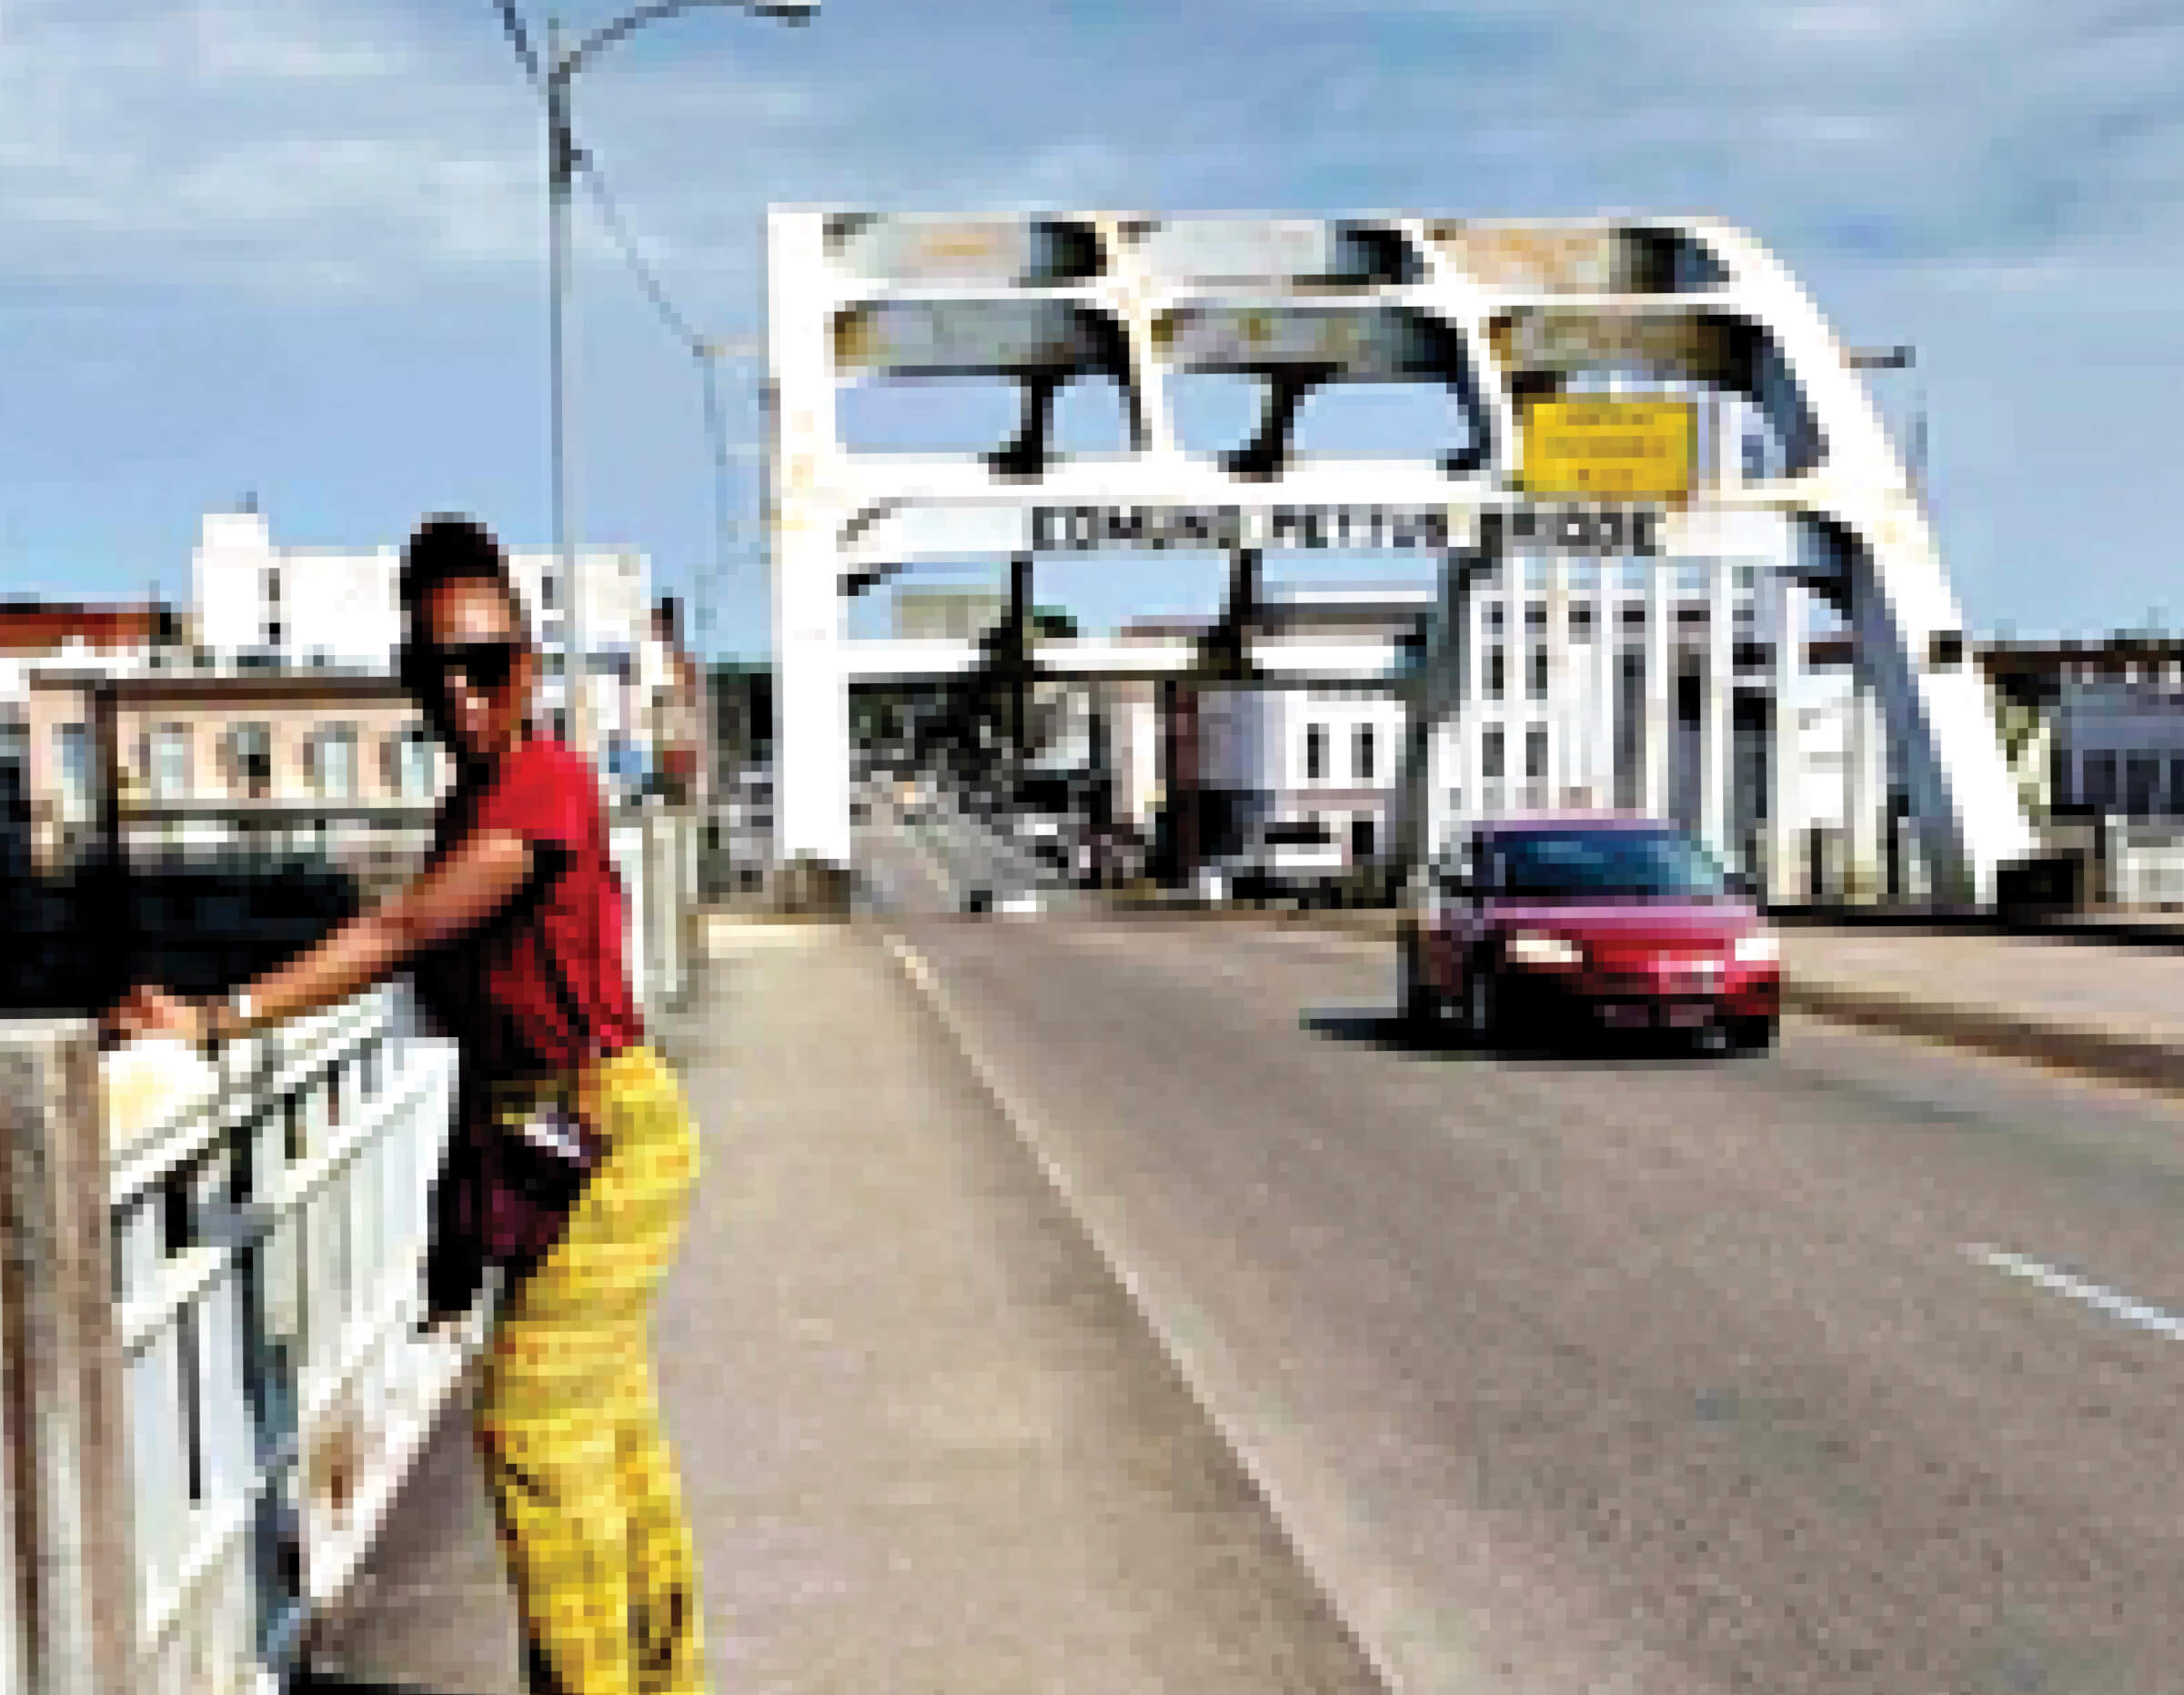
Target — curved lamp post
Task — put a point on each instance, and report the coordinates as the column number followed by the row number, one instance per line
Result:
column 708, row 352
column 556, row 75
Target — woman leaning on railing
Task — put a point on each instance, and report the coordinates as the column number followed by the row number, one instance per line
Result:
column 574, row 1155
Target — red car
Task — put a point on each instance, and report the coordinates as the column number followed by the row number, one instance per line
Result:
column 1546, row 925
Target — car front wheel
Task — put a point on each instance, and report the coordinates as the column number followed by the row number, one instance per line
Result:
column 1750, row 1035
column 1482, row 1020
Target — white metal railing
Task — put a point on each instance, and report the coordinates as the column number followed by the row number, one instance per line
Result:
column 236, row 1288
column 655, row 852
column 267, row 1247
column 2146, row 863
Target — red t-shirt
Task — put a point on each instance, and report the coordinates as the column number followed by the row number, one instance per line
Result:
column 543, row 985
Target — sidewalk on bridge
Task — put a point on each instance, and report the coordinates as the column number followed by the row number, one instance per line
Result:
column 928, row 1444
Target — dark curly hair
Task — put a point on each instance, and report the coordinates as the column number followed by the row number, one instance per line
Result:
column 450, row 548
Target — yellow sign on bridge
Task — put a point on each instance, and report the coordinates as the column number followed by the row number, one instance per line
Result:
column 1603, row 449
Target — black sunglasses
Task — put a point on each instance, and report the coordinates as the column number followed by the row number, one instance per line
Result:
column 487, row 664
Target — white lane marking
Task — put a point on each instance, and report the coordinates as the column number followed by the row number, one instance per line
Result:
column 2116, row 1306
column 929, row 861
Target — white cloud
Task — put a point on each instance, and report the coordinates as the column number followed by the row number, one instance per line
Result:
column 262, row 144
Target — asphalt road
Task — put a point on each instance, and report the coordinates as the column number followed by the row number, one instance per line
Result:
column 930, row 865
column 1626, row 1372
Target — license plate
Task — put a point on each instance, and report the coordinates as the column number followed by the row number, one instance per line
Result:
column 1683, row 1015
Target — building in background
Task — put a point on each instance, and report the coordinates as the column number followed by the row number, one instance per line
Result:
column 94, row 639
column 927, row 614
column 1549, row 726
column 209, row 762
column 294, row 608
column 2103, row 721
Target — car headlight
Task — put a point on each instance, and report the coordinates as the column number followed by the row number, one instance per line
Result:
column 1762, row 947
column 1535, row 947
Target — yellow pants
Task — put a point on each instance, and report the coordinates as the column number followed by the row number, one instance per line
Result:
column 568, row 1427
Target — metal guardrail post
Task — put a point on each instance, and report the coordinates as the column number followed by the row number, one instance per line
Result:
column 67, row 1490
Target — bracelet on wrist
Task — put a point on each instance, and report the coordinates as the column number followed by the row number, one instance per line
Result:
column 210, row 1035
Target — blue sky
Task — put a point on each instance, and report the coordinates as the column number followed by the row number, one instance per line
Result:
column 295, row 246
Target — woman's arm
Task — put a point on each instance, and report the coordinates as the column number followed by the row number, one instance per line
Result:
column 469, row 886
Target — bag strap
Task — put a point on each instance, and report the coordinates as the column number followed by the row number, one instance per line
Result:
column 576, row 1014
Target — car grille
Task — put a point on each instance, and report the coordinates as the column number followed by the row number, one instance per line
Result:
column 1693, row 974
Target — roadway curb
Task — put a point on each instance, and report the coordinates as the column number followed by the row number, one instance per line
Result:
column 2110, row 1055
column 2103, row 1053
column 1069, row 1195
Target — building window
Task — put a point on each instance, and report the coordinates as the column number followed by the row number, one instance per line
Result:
column 549, row 591
column 1536, row 615
column 275, row 632
column 1491, row 759
column 169, row 773
column 251, row 760
column 410, row 765
column 330, row 757
column 2176, row 782
column 1315, row 753
column 1536, row 752
column 1581, row 623
column 2143, row 785
column 1497, row 679
column 1361, row 844
column 2100, row 780
column 72, row 751
column 1366, row 748
column 1496, row 619
column 1538, row 682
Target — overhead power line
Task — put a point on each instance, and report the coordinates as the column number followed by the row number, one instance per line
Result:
column 648, row 279
column 511, row 20
column 609, row 210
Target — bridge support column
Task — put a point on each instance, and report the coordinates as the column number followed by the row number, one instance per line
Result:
column 811, row 703
column 1561, row 717
column 1659, row 697
column 1717, row 703
column 1468, row 624
column 1437, row 727
column 1865, row 785
column 1606, row 675
column 1784, row 761
column 811, row 680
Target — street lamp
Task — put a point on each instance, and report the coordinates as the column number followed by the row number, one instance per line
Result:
column 1902, row 357
column 560, row 70
column 708, row 352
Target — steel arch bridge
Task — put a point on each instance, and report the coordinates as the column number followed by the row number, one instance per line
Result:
column 1642, row 390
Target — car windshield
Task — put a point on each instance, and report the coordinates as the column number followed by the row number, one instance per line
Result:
column 1298, row 835
column 1551, row 865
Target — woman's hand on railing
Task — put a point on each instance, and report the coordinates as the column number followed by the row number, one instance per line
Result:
column 149, row 1010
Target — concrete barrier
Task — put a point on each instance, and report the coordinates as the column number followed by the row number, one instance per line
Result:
column 68, row 1517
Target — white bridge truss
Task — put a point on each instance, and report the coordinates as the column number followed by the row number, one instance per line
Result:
column 1789, row 466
